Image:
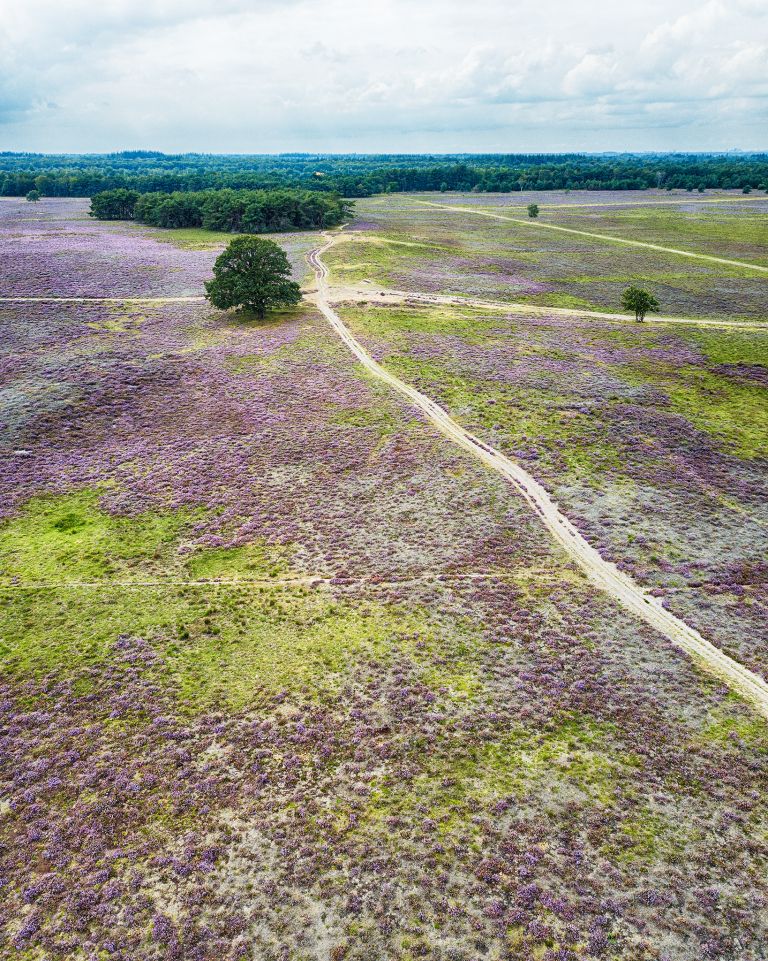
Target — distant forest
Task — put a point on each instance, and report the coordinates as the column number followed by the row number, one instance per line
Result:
column 235, row 211
column 356, row 175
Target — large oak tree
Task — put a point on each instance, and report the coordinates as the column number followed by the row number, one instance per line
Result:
column 254, row 274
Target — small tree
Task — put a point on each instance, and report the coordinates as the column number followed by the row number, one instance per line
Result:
column 252, row 273
column 533, row 210
column 640, row 301
column 33, row 196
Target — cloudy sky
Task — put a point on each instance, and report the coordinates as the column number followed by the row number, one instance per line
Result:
column 383, row 75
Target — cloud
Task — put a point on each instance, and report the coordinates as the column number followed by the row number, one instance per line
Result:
column 308, row 74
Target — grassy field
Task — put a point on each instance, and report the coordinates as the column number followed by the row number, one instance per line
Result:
column 287, row 675
column 401, row 242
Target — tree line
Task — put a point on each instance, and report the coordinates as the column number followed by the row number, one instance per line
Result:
column 233, row 211
column 353, row 175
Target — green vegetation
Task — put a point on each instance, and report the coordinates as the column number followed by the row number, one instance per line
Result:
column 252, row 273
column 639, row 301
column 224, row 644
column 572, row 761
column 735, row 412
column 69, row 539
column 214, row 643
column 734, row 230
column 231, row 563
column 647, row 836
column 356, row 175
column 533, row 210
column 231, row 211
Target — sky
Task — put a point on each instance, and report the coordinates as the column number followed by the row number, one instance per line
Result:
column 263, row 76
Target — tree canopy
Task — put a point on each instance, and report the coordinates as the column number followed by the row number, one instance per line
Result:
column 639, row 301
column 233, row 211
column 356, row 175
column 254, row 274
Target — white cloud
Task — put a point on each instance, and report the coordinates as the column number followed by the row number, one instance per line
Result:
column 406, row 74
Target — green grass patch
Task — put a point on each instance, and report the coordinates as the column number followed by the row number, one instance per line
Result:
column 251, row 561
column 370, row 417
column 524, row 416
column 734, row 412
column 725, row 728
column 70, row 538
column 731, row 346
column 225, row 644
column 568, row 301
column 192, row 238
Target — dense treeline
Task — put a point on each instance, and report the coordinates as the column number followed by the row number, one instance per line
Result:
column 236, row 211
column 356, row 175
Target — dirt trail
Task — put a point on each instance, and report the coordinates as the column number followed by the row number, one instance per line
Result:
column 601, row 572
column 384, row 295
column 609, row 238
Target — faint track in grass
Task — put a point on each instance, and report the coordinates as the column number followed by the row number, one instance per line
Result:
column 103, row 300
column 601, row 572
column 307, row 580
column 608, row 238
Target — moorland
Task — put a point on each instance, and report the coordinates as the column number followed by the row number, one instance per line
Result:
column 292, row 672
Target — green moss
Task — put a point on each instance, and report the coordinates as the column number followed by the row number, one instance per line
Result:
column 726, row 727
column 192, row 238
column 69, row 538
column 553, row 299
column 731, row 346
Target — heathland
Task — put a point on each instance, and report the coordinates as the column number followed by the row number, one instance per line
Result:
column 287, row 673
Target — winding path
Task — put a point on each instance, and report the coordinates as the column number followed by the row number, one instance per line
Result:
column 601, row 572
column 610, row 238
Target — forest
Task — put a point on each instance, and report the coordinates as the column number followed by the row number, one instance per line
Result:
column 235, row 211
column 358, row 175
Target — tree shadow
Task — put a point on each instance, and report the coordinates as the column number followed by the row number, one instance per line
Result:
column 242, row 318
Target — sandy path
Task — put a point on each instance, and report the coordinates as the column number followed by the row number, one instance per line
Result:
column 601, row 572
column 609, row 238
column 384, row 295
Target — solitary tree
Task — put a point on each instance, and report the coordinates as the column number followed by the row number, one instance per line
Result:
column 640, row 301
column 252, row 273
column 33, row 195
column 533, row 210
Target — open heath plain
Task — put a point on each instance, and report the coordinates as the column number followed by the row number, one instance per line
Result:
column 428, row 619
